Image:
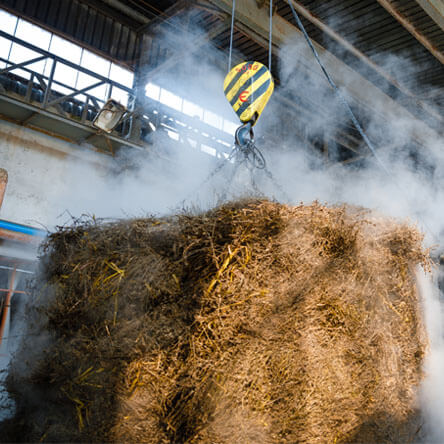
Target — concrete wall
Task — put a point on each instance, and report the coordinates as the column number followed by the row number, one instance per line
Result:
column 37, row 165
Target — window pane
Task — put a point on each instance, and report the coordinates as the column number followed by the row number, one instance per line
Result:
column 98, row 91
column 208, row 149
column 7, row 22
column 65, row 74
column 213, row 119
column 120, row 95
column 170, row 99
column 192, row 109
column 33, row 34
column 121, row 75
column 65, row 49
column 95, row 63
column 61, row 89
column 5, row 46
column 152, row 91
column 85, row 80
column 21, row 54
column 230, row 127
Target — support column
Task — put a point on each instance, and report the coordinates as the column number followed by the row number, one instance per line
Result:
column 139, row 86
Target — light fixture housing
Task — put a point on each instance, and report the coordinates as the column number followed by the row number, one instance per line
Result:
column 109, row 116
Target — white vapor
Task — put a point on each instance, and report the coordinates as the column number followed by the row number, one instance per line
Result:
column 149, row 183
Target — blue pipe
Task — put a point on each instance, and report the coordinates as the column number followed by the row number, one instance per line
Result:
column 24, row 229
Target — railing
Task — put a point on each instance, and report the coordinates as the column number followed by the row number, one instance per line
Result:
column 82, row 105
column 42, row 89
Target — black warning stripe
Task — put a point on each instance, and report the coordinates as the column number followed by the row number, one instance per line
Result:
column 247, row 83
column 235, row 78
column 257, row 94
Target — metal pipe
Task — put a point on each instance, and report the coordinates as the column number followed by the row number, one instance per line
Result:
column 3, row 183
column 128, row 11
column 19, row 270
column 19, row 228
column 7, row 305
column 411, row 28
column 18, row 237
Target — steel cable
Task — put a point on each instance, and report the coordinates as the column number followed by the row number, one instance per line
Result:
column 231, row 35
column 336, row 89
column 270, row 36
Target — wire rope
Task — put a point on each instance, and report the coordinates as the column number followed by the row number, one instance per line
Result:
column 336, row 89
column 231, row 35
column 270, row 36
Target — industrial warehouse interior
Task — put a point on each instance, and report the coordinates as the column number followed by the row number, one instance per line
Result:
column 222, row 221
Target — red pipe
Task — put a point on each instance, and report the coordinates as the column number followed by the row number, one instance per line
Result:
column 7, row 305
column 3, row 183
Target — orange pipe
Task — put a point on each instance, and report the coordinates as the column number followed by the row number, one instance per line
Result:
column 20, row 237
column 7, row 305
column 3, row 183
column 14, row 292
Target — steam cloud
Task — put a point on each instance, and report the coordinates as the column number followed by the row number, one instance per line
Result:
column 133, row 186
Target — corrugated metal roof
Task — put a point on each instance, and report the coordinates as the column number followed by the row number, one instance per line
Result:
column 364, row 23
column 83, row 23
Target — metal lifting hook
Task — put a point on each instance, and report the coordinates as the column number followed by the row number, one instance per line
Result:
column 245, row 149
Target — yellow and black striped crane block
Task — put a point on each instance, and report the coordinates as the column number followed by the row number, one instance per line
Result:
column 248, row 87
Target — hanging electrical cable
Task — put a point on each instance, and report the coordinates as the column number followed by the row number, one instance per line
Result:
column 336, row 89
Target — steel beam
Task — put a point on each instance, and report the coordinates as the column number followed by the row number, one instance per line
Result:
column 69, row 121
column 435, row 9
column 75, row 93
column 130, row 12
column 362, row 57
column 169, row 13
column 22, row 64
column 176, row 57
column 364, row 92
column 411, row 28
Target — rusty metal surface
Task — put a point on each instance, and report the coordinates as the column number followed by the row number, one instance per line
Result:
column 7, row 305
column 19, row 237
column 3, row 183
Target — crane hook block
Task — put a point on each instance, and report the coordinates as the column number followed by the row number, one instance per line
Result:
column 248, row 87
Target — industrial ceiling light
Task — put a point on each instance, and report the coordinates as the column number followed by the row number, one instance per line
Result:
column 109, row 116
